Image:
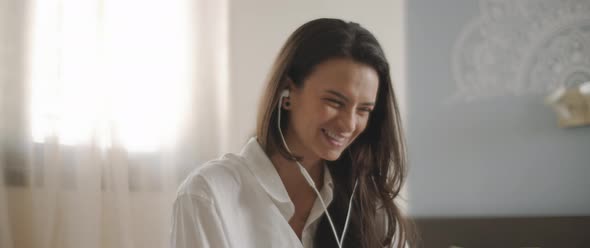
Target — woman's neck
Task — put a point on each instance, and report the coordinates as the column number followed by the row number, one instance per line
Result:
column 289, row 170
column 291, row 175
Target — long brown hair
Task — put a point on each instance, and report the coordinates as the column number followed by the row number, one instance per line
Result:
column 377, row 158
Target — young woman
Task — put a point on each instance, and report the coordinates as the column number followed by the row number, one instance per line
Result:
column 327, row 161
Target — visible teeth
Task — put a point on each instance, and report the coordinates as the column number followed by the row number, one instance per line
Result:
column 333, row 136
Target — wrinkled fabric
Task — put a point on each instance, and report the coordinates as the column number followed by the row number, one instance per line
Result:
column 239, row 200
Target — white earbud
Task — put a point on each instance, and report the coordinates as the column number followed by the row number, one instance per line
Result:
column 285, row 93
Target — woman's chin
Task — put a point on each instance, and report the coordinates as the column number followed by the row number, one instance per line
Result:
column 331, row 155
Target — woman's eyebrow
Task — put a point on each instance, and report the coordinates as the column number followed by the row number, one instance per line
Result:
column 343, row 97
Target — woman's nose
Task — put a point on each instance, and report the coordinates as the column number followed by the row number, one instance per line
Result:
column 347, row 121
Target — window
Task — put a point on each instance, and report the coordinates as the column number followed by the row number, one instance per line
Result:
column 109, row 71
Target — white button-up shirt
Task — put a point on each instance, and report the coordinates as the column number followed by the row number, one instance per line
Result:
column 240, row 201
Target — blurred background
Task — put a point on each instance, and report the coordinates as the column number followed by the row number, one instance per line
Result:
column 106, row 105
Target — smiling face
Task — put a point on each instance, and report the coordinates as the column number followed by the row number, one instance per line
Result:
column 331, row 109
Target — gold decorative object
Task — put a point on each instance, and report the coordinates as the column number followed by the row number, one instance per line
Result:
column 572, row 105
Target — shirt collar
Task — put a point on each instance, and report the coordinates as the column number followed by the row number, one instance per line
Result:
column 261, row 166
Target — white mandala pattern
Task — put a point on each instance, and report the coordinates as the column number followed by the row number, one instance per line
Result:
column 522, row 47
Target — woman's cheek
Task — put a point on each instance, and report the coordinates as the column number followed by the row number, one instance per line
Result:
column 329, row 111
column 362, row 125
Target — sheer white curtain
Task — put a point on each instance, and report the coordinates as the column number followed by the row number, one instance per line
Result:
column 104, row 107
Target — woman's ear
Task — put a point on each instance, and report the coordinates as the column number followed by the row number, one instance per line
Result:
column 291, row 85
column 286, row 100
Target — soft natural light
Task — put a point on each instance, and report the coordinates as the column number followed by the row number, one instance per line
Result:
column 101, row 72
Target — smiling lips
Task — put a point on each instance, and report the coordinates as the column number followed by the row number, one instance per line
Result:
column 333, row 138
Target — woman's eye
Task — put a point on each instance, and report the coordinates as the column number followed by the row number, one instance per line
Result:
column 365, row 111
column 334, row 103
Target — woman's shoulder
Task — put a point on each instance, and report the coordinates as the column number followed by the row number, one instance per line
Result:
column 221, row 175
